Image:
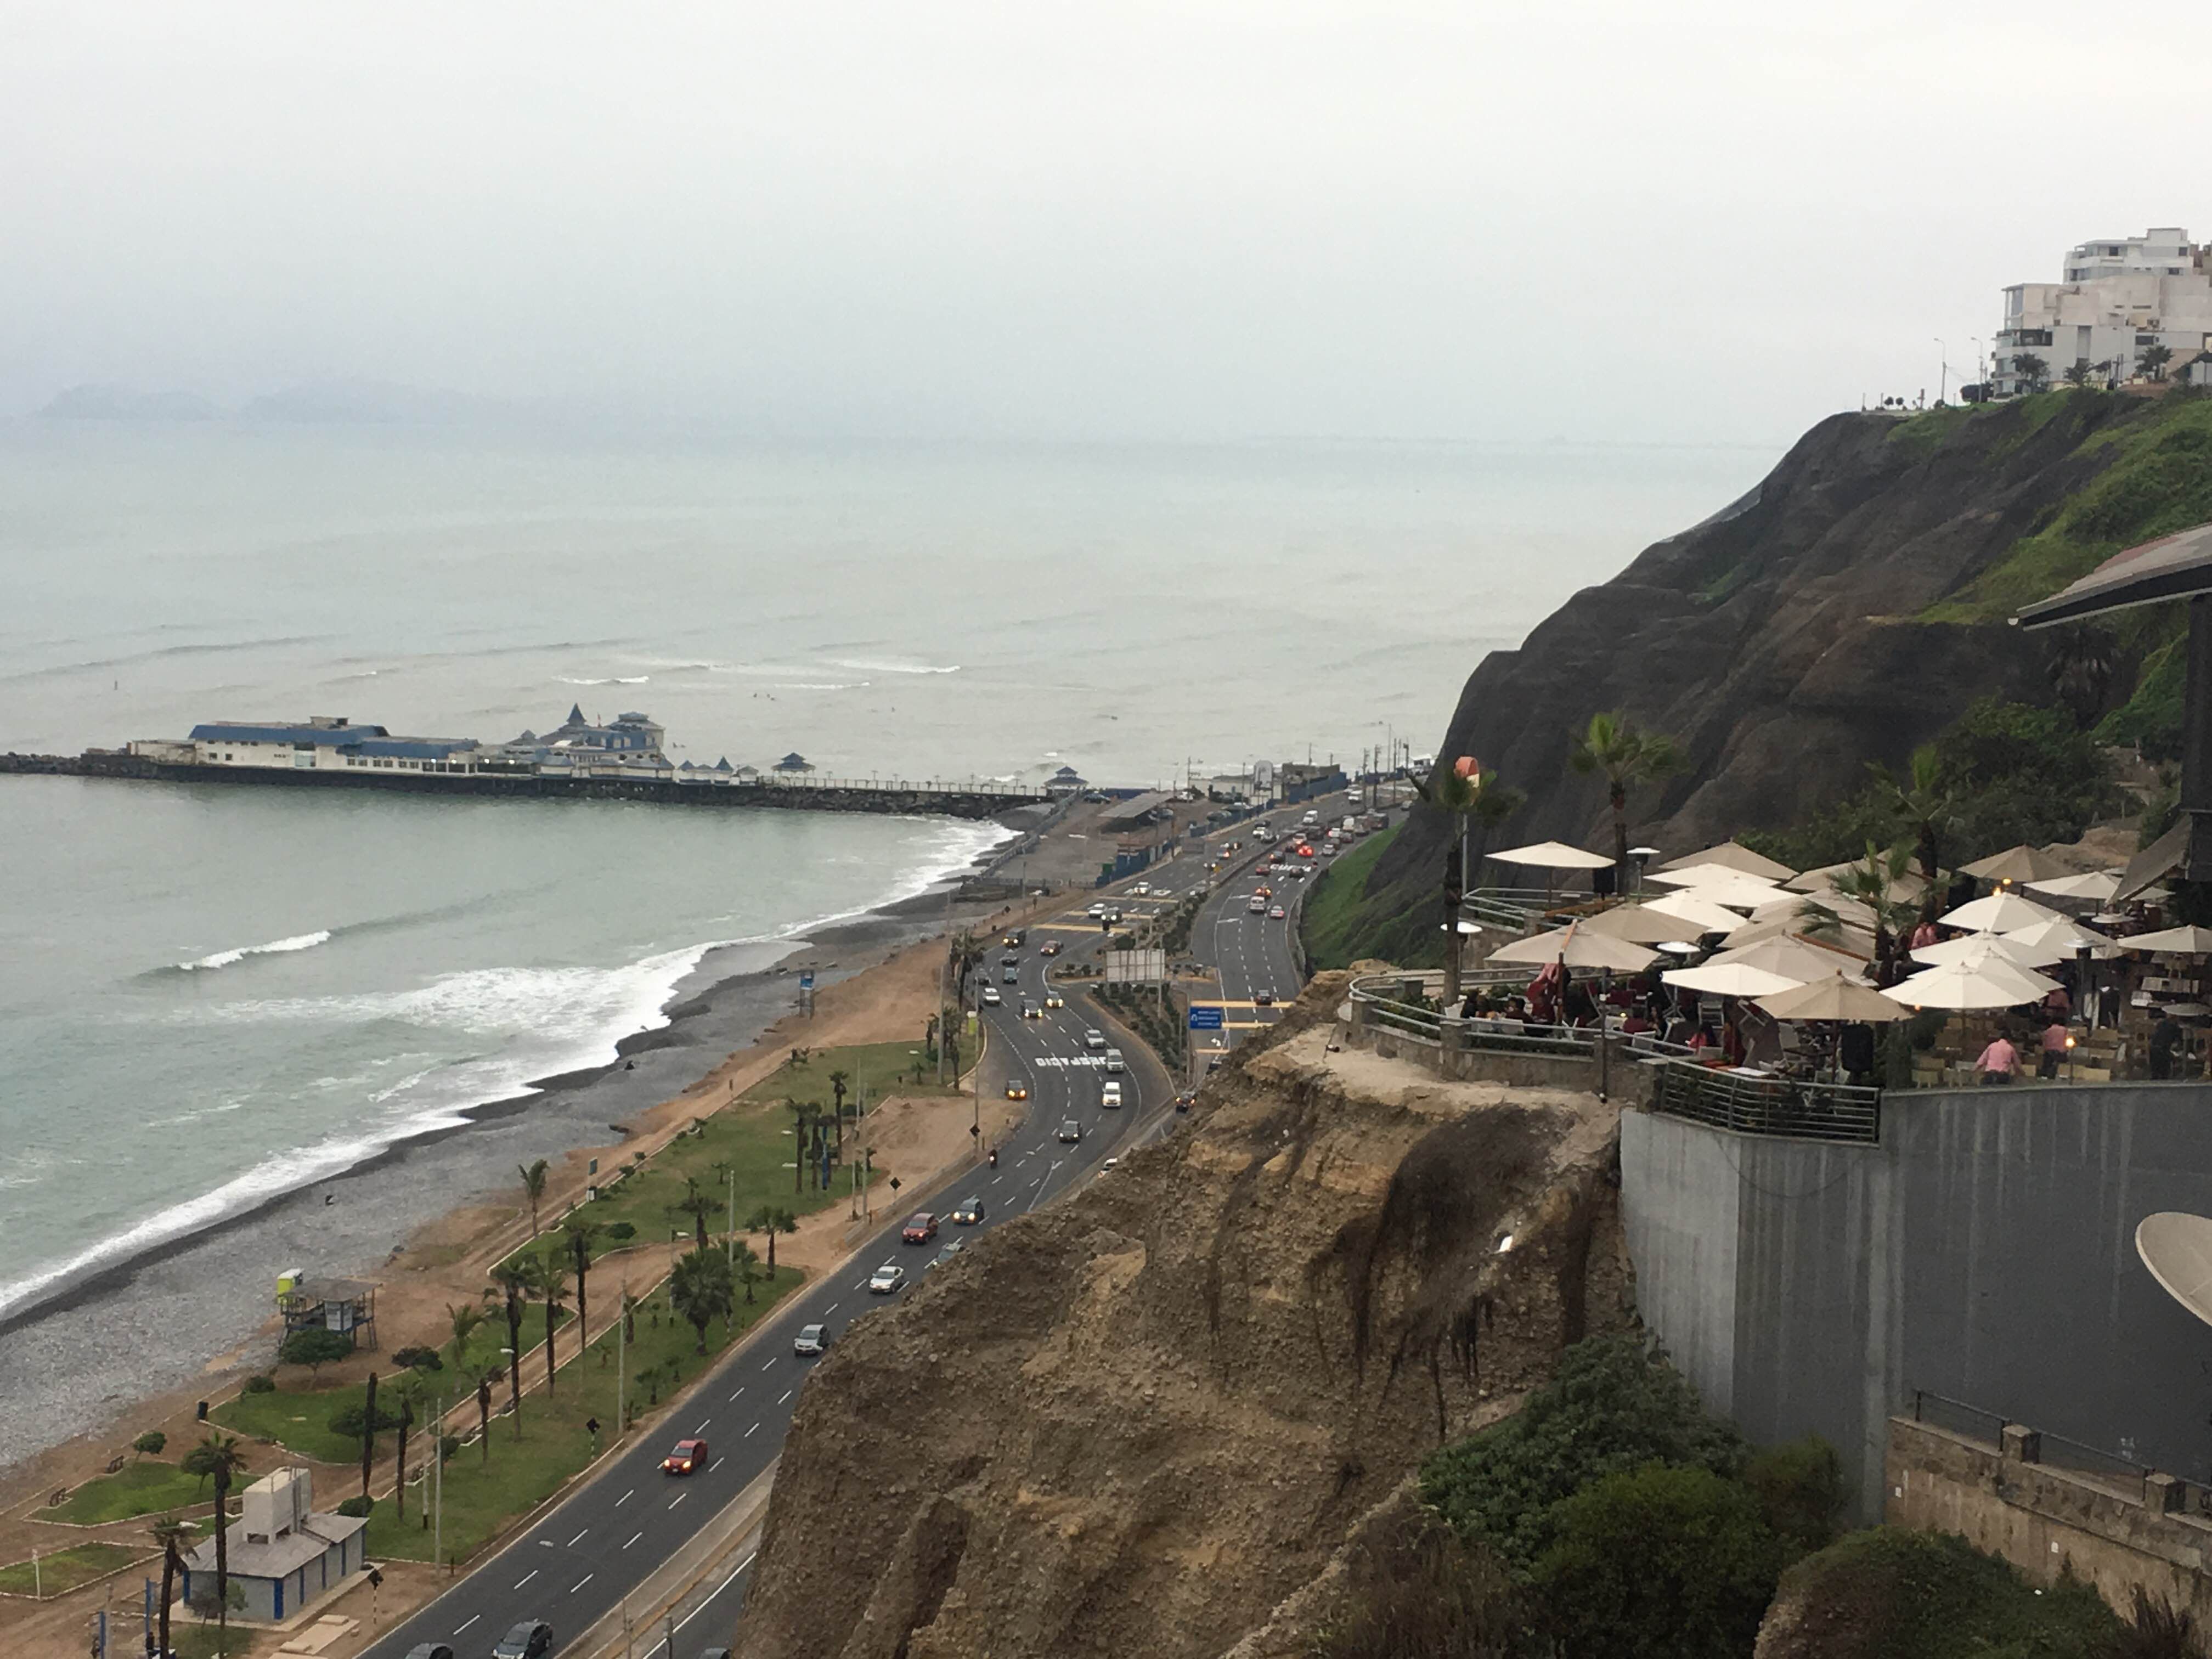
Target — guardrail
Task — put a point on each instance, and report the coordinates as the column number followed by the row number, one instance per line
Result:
column 2179, row 1494
column 1762, row 1105
column 1517, row 908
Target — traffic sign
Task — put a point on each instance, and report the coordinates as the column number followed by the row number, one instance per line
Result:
column 807, row 980
column 1205, row 1017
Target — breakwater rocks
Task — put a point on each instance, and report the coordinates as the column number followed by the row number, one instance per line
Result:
column 888, row 798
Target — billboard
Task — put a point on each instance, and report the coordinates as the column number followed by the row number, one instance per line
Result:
column 1147, row 965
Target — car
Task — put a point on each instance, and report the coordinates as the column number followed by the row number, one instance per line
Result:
column 953, row 1248
column 967, row 1212
column 1304, row 851
column 1276, row 912
column 1050, row 948
column 1263, row 999
column 1263, row 892
column 1185, row 1101
column 811, row 1339
column 528, row 1640
column 921, row 1227
column 1257, row 906
column 1094, row 1038
column 1113, row 914
column 1141, row 889
column 1070, row 1131
column 420, row 1650
column 1010, row 976
column 1013, row 938
column 1011, row 959
column 688, row 1458
column 886, row 1279
column 1054, row 1000
column 1096, row 912
column 1094, row 798
column 1110, row 1164
column 1110, row 1096
column 1114, row 1060
column 1018, row 1091
column 991, row 997
column 1030, row 1011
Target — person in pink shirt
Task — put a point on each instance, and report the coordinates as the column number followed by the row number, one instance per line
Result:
column 2056, row 1040
column 1999, row 1060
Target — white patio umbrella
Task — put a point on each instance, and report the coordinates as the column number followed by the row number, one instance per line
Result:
column 1553, row 855
column 1850, row 938
column 1577, row 947
column 1835, row 997
column 2098, row 886
column 2022, row 864
column 2065, row 936
column 2173, row 941
column 2000, row 912
column 1905, row 889
column 1712, row 875
column 1641, row 925
column 1700, row 913
column 1798, row 958
column 1737, row 892
column 1731, row 855
column 1994, row 983
column 1732, row 979
column 1979, row 947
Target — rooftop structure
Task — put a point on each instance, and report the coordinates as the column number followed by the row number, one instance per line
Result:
column 2120, row 298
column 324, row 741
column 283, row 1554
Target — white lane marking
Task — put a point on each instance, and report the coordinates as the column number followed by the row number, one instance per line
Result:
column 580, row 1582
column 633, row 1537
column 625, row 1498
column 748, row 1434
column 703, row 1422
column 831, row 1309
column 525, row 1578
column 719, row 1588
column 471, row 1619
column 678, row 1498
column 787, row 1393
column 712, row 1467
column 739, row 1391
column 771, row 1364
column 994, row 1181
column 572, row 1541
column 860, row 1284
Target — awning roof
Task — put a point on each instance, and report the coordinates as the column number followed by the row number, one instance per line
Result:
column 2171, row 568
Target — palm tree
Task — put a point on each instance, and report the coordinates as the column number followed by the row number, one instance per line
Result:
column 771, row 1219
column 533, row 1189
column 1625, row 756
column 840, row 1082
column 1923, row 802
column 1875, row 882
column 2153, row 360
column 629, row 1306
column 699, row 1290
column 2031, row 371
column 582, row 1235
column 1453, row 790
column 170, row 1532
column 220, row 1457
column 696, row 1203
column 745, row 1268
column 548, row 1279
column 484, row 1410
column 409, row 1391
column 2081, row 667
column 512, row 1281
column 803, row 1113
column 463, row 1319
column 1495, row 803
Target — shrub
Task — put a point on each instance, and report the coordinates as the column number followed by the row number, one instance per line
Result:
column 356, row 1506
column 1610, row 1407
column 1415, row 1591
column 352, row 1421
column 261, row 1383
column 1800, row 1489
column 149, row 1444
column 314, row 1348
column 1658, row 1563
column 619, row 1231
column 418, row 1359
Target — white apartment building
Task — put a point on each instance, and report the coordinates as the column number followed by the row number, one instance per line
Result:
column 2118, row 297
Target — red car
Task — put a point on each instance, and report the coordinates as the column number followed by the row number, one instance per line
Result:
column 920, row 1228
column 1303, row 850
column 688, row 1458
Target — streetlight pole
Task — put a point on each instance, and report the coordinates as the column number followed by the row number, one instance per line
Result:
column 1943, row 378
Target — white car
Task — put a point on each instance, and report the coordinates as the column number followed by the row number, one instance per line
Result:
column 1110, row 1096
column 886, row 1279
column 1141, row 889
column 1096, row 913
column 991, row 997
column 1094, row 1038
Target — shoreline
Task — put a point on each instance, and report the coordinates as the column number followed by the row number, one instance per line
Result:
column 109, row 1340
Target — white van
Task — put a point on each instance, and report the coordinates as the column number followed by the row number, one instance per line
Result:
column 1114, row 1060
column 1109, row 1095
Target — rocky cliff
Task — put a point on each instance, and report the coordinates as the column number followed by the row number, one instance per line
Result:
column 1138, row 1421
column 1845, row 611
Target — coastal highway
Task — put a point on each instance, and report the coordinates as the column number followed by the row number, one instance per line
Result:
column 576, row 1563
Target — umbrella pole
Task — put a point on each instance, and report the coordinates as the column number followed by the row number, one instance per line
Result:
column 1604, row 977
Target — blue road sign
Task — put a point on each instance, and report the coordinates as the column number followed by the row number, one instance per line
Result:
column 1205, row 1018
column 806, row 980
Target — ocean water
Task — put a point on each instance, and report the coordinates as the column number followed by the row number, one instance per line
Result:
column 210, row 994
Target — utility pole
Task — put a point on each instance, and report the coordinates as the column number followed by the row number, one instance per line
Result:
column 622, row 1380
column 437, row 1487
column 730, row 1245
column 1943, row 375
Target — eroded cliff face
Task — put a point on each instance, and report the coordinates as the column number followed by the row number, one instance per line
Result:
column 1136, row 1422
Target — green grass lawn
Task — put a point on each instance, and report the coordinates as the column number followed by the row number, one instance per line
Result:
column 65, row 1570
column 872, row 1070
column 149, row 1488
column 1330, row 919
column 485, row 1491
column 299, row 1419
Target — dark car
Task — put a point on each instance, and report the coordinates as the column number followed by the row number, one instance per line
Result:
column 429, row 1650
column 1010, row 976
column 1071, row 1131
column 528, row 1640
column 1184, row 1101
column 967, row 1212
column 921, row 1227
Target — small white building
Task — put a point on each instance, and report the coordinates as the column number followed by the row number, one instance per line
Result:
column 2118, row 298
column 326, row 742
column 283, row 1554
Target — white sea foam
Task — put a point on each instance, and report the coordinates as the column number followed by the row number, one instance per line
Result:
column 275, row 947
column 888, row 667
column 614, row 679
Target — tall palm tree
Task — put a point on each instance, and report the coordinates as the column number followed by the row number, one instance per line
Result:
column 2031, row 371
column 548, row 1279
column 698, row 1205
column 2153, row 360
column 745, row 1267
column 410, row 1392
column 771, row 1219
column 222, row 1458
column 2081, row 667
column 484, row 1410
column 462, row 1319
column 699, row 1290
column 1452, row 789
column 511, row 1282
column 803, row 1113
column 1613, row 746
column 1874, row 882
column 170, row 1532
column 368, row 1430
column 582, row 1235
column 1924, row 802
column 533, row 1189
column 1496, row 802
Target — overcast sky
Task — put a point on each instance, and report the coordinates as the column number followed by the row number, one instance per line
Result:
column 1618, row 220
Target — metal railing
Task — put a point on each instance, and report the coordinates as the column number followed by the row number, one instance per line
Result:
column 1957, row 1416
column 1788, row 1107
column 1518, row 908
column 2057, row 1451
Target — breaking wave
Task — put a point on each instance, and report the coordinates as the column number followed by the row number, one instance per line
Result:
column 275, row 947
